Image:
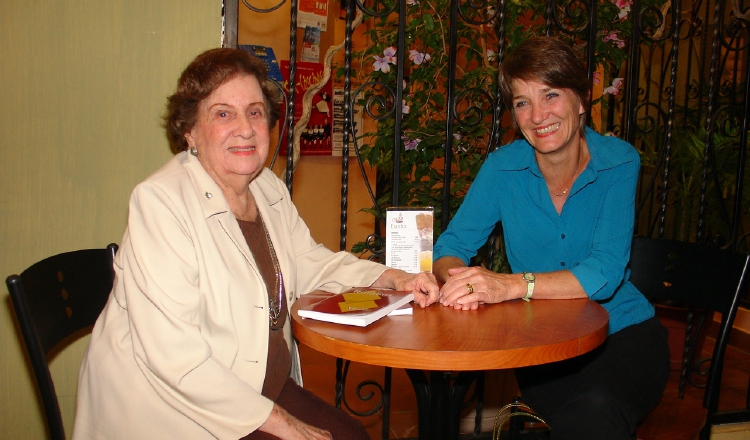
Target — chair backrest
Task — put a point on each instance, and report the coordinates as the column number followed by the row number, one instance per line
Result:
column 696, row 276
column 54, row 299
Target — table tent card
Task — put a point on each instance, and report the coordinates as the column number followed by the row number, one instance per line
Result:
column 409, row 239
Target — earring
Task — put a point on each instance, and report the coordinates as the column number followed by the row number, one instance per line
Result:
column 193, row 151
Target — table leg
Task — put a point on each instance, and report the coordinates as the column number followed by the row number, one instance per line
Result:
column 439, row 402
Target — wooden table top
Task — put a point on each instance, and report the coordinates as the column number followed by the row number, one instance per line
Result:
column 497, row 336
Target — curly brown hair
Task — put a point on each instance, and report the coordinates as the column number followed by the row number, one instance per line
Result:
column 201, row 77
column 548, row 60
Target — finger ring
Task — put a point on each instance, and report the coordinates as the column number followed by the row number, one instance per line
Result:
column 469, row 288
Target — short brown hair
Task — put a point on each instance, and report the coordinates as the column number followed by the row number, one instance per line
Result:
column 207, row 72
column 548, row 60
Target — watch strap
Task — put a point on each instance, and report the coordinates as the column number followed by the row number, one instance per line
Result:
column 530, row 279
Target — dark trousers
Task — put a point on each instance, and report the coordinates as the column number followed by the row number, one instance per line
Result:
column 603, row 394
column 314, row 411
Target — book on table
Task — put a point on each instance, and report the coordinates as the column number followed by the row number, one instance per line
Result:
column 358, row 307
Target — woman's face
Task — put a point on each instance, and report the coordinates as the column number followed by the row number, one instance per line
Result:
column 549, row 118
column 231, row 132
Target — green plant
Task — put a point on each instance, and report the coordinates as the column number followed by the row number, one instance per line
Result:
column 686, row 166
column 425, row 59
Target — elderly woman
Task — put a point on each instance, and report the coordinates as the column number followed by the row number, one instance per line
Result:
column 566, row 198
column 195, row 340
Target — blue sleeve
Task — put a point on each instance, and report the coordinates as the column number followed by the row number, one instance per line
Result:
column 605, row 267
column 476, row 217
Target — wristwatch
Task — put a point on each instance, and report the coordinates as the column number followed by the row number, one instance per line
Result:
column 529, row 278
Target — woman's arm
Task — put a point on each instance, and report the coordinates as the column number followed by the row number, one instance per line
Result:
column 490, row 287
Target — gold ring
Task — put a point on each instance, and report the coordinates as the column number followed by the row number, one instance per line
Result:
column 469, row 288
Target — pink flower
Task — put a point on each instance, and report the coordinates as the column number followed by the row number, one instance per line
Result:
column 405, row 109
column 614, row 89
column 612, row 37
column 597, row 77
column 390, row 54
column 622, row 3
column 419, row 57
column 410, row 144
column 491, row 55
column 412, row 2
column 383, row 63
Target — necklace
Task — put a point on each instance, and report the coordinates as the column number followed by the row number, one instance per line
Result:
column 565, row 191
column 275, row 303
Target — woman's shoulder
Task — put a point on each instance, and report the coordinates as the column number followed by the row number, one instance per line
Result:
column 270, row 187
column 611, row 150
column 610, row 142
column 511, row 156
column 169, row 172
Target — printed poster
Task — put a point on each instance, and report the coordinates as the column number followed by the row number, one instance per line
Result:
column 338, row 122
column 316, row 137
column 313, row 13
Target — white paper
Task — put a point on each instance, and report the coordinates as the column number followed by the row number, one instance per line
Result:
column 409, row 239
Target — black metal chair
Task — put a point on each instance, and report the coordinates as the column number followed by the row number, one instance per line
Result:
column 53, row 300
column 703, row 279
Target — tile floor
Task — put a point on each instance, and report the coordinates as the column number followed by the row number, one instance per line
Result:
column 319, row 376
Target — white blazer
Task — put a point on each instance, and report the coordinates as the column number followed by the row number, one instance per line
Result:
column 180, row 349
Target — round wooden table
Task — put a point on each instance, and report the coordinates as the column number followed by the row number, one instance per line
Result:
column 441, row 339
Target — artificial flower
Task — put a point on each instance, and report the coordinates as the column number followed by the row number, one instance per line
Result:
column 612, row 37
column 418, row 57
column 381, row 64
column 614, row 89
column 410, row 144
column 622, row 3
column 389, row 53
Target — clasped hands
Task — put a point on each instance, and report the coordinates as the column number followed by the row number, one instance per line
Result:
column 468, row 287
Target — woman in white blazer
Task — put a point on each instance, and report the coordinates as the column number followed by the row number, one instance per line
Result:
column 195, row 341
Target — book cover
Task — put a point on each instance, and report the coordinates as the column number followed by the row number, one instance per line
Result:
column 358, row 307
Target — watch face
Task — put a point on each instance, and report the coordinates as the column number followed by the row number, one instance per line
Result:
column 528, row 276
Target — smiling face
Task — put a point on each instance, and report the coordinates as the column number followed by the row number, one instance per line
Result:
column 549, row 118
column 231, row 133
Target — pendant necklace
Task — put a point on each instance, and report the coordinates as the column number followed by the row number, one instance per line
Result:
column 275, row 303
column 565, row 191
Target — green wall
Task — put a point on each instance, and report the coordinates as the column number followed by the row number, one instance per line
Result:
column 82, row 86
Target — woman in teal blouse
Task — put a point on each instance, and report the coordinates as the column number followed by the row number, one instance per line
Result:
column 566, row 198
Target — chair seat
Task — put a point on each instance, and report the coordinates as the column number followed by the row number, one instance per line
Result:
column 674, row 419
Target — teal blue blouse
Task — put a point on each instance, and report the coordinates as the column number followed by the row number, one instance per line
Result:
column 591, row 237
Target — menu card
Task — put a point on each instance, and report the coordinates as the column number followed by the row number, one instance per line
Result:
column 409, row 239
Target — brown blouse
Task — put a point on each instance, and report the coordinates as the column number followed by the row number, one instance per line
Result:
column 279, row 358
